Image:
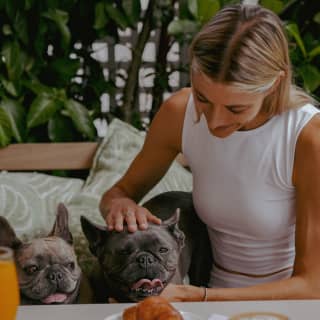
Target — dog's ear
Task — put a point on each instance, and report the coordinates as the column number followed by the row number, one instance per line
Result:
column 94, row 233
column 172, row 226
column 8, row 237
column 61, row 226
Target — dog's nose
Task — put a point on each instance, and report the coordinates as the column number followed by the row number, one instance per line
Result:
column 145, row 259
column 54, row 276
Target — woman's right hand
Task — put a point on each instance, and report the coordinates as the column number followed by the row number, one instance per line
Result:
column 125, row 211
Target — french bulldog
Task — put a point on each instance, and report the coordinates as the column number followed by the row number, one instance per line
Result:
column 47, row 268
column 133, row 266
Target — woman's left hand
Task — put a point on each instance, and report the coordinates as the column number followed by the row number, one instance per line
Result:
column 181, row 293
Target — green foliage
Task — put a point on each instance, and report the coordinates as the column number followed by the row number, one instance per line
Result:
column 44, row 45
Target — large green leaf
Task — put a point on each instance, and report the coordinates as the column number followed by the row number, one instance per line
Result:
column 274, row 5
column 61, row 19
column 21, row 27
column 10, row 87
column 100, row 18
column 132, row 9
column 116, row 15
column 311, row 77
column 293, row 30
column 314, row 52
column 16, row 117
column 193, row 7
column 60, row 129
column 81, row 118
column 5, row 128
column 42, row 109
column 207, row 9
column 14, row 59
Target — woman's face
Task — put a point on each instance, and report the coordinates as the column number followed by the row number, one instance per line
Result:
column 226, row 109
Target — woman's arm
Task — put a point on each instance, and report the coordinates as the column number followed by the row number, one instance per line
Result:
column 305, row 281
column 161, row 146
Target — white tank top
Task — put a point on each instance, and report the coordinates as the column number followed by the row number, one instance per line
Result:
column 243, row 192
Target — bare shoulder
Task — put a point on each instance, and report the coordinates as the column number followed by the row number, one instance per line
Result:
column 177, row 103
column 309, row 136
column 167, row 125
column 307, row 154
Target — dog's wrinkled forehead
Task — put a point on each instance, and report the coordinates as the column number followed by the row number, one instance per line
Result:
column 49, row 247
column 153, row 236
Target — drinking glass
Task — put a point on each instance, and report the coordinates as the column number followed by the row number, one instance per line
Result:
column 9, row 287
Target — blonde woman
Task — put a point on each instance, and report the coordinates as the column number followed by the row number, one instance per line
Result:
column 251, row 139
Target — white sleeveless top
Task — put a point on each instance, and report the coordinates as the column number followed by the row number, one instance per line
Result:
column 243, row 192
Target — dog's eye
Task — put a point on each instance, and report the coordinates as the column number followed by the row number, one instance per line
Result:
column 31, row 269
column 163, row 250
column 124, row 252
column 71, row 265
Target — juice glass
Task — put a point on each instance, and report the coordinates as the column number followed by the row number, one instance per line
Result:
column 9, row 288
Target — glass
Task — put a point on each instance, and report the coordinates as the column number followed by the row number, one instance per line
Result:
column 9, row 287
column 259, row 316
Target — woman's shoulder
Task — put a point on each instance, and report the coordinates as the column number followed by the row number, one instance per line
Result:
column 178, row 101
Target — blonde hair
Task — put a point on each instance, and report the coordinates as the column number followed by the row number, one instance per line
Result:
column 245, row 46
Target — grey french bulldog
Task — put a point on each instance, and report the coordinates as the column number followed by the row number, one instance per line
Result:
column 47, row 268
column 133, row 266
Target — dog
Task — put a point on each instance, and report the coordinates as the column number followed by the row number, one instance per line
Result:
column 47, row 268
column 133, row 266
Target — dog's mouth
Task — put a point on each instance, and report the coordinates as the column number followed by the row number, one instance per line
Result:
column 147, row 287
column 55, row 298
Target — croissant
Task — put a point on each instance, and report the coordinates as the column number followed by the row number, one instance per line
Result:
column 152, row 308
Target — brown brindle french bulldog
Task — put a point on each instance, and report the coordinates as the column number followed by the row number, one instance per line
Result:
column 47, row 267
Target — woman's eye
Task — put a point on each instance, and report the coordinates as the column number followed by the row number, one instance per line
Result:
column 163, row 250
column 31, row 269
column 237, row 110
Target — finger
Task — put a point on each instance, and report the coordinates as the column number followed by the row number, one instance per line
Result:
column 141, row 216
column 118, row 221
column 153, row 218
column 110, row 221
column 131, row 221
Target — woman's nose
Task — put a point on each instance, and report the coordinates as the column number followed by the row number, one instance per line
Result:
column 217, row 117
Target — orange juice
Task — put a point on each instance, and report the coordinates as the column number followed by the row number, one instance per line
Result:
column 9, row 289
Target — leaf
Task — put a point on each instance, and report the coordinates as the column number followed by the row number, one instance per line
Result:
column 100, row 18
column 16, row 117
column 14, row 59
column 10, row 87
column 316, row 18
column 61, row 19
column 314, row 52
column 293, row 30
column 21, row 27
column 81, row 118
column 207, row 9
column 60, row 129
column 116, row 15
column 274, row 5
column 5, row 128
column 132, row 8
column 177, row 27
column 42, row 109
column 193, row 7
column 311, row 77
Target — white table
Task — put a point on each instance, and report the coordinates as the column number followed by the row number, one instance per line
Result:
column 294, row 309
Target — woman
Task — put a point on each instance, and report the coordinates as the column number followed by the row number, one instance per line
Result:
column 251, row 140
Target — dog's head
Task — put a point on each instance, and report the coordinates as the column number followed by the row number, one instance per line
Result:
column 47, row 267
column 140, row 264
